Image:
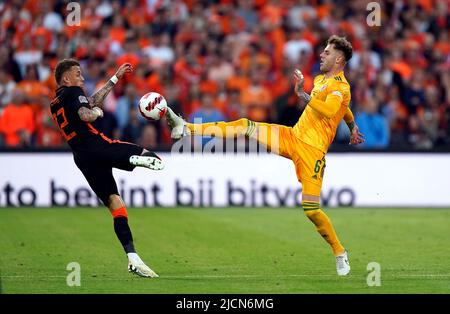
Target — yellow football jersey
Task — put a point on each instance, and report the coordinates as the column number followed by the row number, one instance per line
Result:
column 314, row 128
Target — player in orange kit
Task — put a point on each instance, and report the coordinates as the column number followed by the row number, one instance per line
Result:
column 307, row 142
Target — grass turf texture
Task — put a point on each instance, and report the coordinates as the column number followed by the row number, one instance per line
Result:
column 224, row 251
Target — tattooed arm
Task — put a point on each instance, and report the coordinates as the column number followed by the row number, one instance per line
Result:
column 349, row 119
column 96, row 100
column 351, row 126
column 305, row 97
column 90, row 115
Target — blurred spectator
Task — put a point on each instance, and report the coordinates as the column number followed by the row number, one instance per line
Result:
column 219, row 70
column 171, row 94
column 248, row 13
column 133, row 130
column 51, row 20
column 129, row 53
column 366, row 60
column 159, row 51
column 104, row 9
column 373, row 125
column 300, row 13
column 414, row 94
column 17, row 122
column 163, row 22
column 242, row 51
column 47, row 132
column 149, row 137
column 8, row 63
column 129, row 100
column 295, row 46
column 92, row 76
column 256, row 98
column 254, row 57
column 396, row 114
column 7, row 85
column 417, row 135
column 31, row 85
column 206, row 113
column 27, row 53
column 107, row 125
column 234, row 108
column 117, row 32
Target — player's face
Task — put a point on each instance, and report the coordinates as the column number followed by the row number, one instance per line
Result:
column 328, row 58
column 73, row 77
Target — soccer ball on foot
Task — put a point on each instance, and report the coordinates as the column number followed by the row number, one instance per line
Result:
column 152, row 106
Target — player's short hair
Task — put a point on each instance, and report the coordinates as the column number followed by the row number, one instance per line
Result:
column 341, row 44
column 64, row 66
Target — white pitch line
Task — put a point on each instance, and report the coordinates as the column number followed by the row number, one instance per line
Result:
column 293, row 276
column 420, row 275
column 32, row 277
column 242, row 276
column 191, row 276
column 236, row 276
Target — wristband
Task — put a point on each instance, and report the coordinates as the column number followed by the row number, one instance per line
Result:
column 114, row 79
column 98, row 110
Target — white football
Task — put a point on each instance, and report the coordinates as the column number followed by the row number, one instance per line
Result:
column 153, row 106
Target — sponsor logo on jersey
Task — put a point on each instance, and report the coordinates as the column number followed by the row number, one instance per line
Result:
column 337, row 93
column 83, row 99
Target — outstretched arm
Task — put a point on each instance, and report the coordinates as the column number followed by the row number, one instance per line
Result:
column 327, row 108
column 96, row 100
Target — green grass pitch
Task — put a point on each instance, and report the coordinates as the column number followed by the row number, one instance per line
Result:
column 231, row 250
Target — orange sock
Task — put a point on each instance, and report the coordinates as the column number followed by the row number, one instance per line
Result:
column 323, row 226
column 122, row 212
column 223, row 129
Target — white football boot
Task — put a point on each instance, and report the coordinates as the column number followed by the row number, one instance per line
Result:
column 177, row 124
column 138, row 267
column 342, row 264
column 150, row 162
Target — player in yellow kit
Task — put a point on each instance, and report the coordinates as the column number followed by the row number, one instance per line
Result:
column 307, row 142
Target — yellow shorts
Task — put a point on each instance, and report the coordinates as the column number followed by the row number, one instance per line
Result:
column 309, row 161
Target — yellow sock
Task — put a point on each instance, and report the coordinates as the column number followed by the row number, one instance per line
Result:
column 323, row 225
column 223, row 129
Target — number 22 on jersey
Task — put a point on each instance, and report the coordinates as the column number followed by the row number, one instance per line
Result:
column 63, row 124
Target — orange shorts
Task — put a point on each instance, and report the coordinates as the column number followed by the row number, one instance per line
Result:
column 309, row 161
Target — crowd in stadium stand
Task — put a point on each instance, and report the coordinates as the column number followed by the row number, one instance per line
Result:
column 227, row 59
